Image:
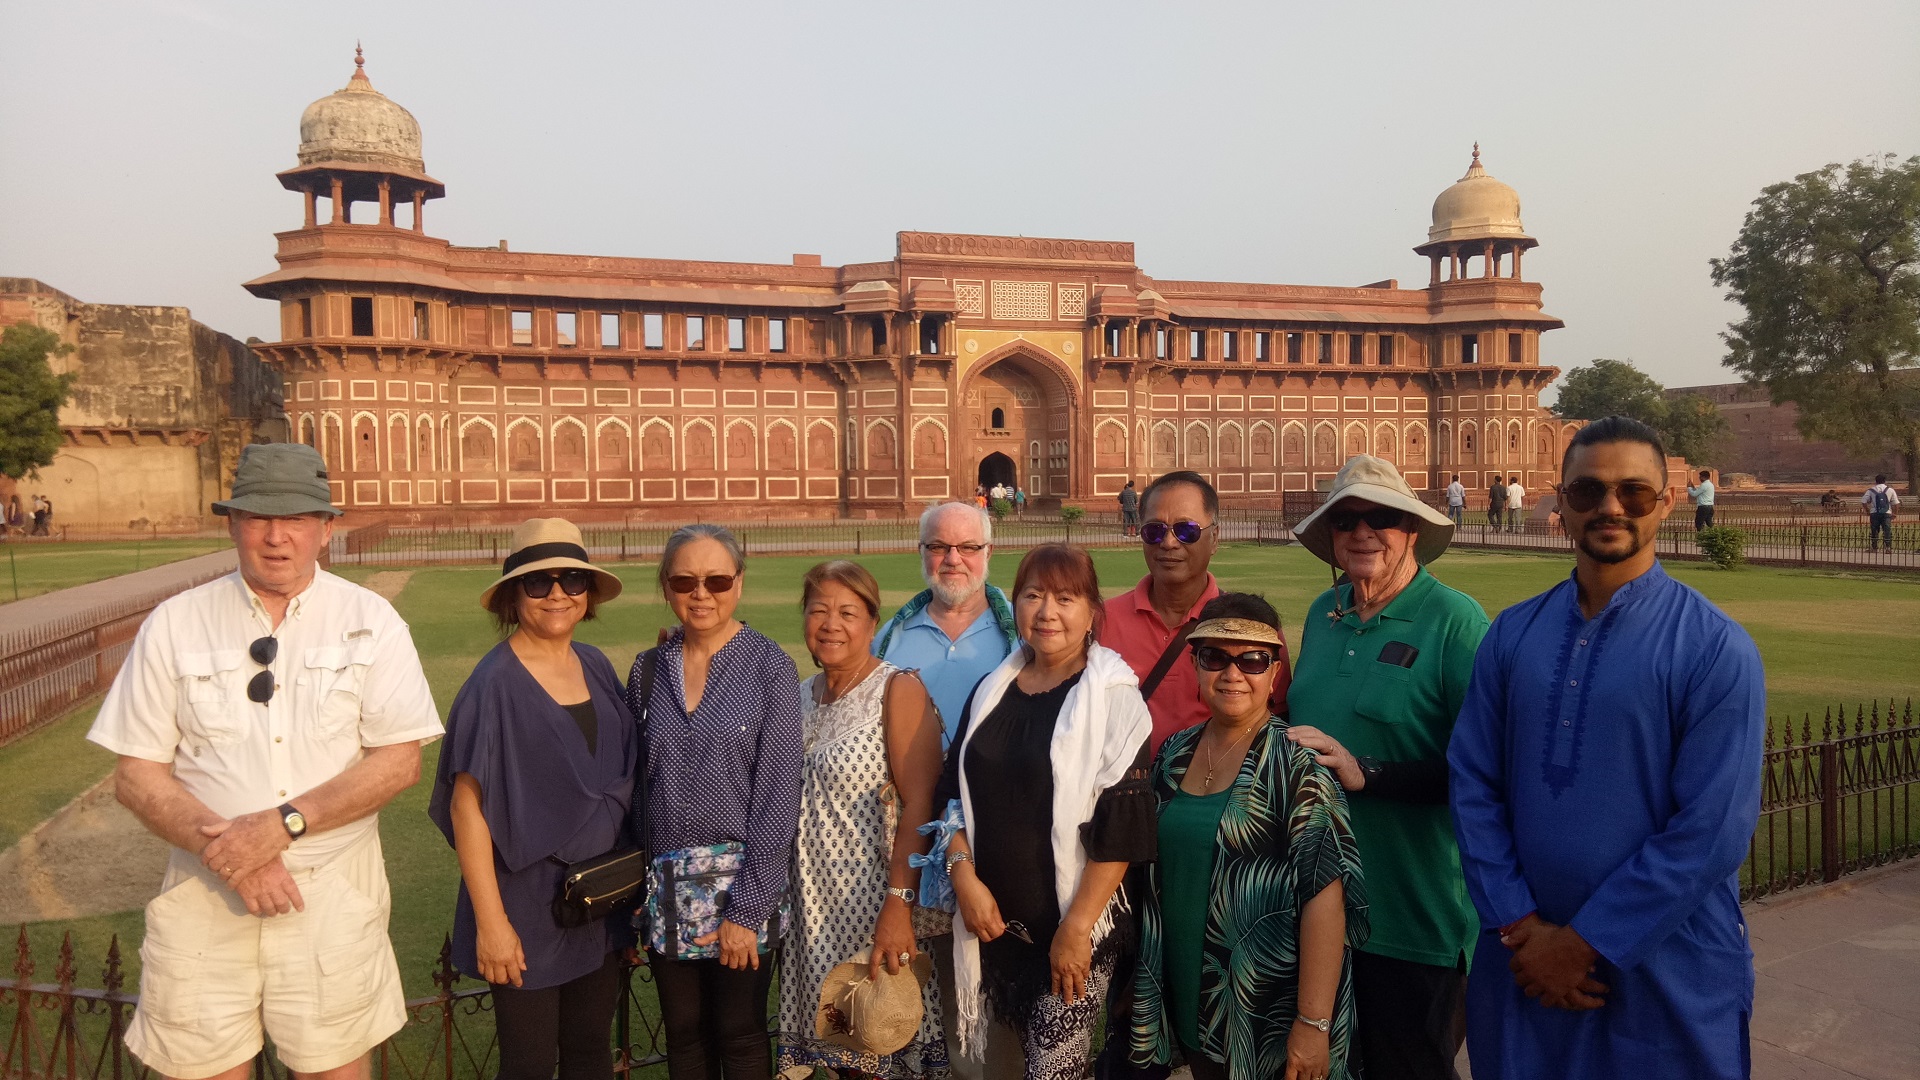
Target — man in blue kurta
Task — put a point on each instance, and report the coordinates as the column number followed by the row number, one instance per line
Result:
column 1605, row 782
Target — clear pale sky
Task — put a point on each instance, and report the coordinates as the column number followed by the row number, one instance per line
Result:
column 1270, row 142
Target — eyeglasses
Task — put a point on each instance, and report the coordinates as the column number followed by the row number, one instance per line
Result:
column 260, row 687
column 1187, row 532
column 715, row 583
column 1637, row 500
column 1213, row 658
column 572, row 582
column 1018, row 929
column 1379, row 519
column 939, row 550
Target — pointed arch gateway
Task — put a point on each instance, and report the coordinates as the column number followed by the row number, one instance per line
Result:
column 1015, row 398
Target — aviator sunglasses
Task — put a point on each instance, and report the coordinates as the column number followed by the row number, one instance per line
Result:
column 260, row 688
column 686, row 583
column 1187, row 532
column 1213, row 658
column 572, row 582
column 1637, row 500
column 1379, row 519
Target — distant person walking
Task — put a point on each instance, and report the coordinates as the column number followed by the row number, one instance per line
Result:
column 1456, row 500
column 42, row 510
column 1496, row 502
column 1516, row 503
column 1702, row 497
column 1881, row 503
column 1130, row 509
column 1019, row 500
column 15, row 516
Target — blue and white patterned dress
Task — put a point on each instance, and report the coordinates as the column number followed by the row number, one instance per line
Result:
column 840, row 861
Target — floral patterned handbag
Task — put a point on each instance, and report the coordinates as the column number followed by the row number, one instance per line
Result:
column 686, row 894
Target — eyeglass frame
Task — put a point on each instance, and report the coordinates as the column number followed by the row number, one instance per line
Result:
column 726, row 583
column 939, row 549
column 1173, row 528
column 1233, row 659
column 1616, row 490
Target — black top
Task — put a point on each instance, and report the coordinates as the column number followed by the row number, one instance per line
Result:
column 582, row 713
column 1010, row 776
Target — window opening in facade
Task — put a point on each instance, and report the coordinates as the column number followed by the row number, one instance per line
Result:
column 566, row 329
column 1160, row 344
column 306, row 319
column 776, row 335
column 422, row 321
column 1326, row 348
column 998, row 419
column 653, row 330
column 1516, row 349
column 1113, row 340
column 736, row 334
column 1262, row 347
column 1386, row 350
column 1294, row 347
column 1196, row 344
column 362, row 311
column 930, row 335
column 609, row 330
column 1230, row 345
column 1469, row 348
column 696, row 332
column 521, row 323
column 1356, row 349
column 880, row 334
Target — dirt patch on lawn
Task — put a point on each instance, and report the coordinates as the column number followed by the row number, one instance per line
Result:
column 388, row 583
column 92, row 857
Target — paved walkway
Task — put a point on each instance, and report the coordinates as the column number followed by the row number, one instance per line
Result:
column 50, row 607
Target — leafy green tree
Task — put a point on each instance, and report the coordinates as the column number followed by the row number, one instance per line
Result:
column 30, row 398
column 1827, row 266
column 1690, row 424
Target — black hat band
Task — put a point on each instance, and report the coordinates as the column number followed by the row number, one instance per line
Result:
column 559, row 549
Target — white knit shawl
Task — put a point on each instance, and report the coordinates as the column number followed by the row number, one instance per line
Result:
column 1102, row 726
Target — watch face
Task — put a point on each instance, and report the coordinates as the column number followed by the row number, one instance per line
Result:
column 296, row 823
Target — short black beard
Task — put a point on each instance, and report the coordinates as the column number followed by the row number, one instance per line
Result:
column 1612, row 558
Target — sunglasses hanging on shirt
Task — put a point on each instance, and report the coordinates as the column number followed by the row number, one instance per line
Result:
column 260, row 688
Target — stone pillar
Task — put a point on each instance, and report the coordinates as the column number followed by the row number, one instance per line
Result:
column 913, row 343
column 313, row 212
column 339, row 204
column 1099, row 338
column 1433, row 277
column 386, row 202
column 419, row 212
column 1516, row 262
column 1489, row 267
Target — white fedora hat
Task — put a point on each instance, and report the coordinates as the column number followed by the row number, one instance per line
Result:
column 1376, row 481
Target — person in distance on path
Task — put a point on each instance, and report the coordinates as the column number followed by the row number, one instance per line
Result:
column 1605, row 783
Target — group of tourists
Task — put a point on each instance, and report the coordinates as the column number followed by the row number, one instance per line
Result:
column 37, row 522
column 991, row 823
column 1013, row 495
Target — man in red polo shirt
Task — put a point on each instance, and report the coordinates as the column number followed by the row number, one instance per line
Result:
column 1178, row 534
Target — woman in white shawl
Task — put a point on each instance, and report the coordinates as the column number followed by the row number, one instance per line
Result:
column 1049, row 769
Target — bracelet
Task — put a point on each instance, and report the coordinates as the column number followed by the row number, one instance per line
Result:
column 956, row 859
column 1325, row 1027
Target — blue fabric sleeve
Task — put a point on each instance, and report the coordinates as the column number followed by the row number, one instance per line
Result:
column 773, row 819
column 1716, row 791
column 1477, row 774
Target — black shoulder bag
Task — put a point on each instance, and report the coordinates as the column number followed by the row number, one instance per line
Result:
column 595, row 888
column 1152, row 682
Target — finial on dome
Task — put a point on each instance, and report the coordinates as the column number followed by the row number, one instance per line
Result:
column 1475, row 169
column 359, row 80
column 1476, row 142
column 361, row 61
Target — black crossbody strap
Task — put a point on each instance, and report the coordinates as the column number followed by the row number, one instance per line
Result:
column 636, row 812
column 1152, row 682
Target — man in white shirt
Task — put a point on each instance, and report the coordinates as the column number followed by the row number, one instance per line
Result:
column 1880, row 502
column 1516, row 502
column 262, row 720
column 1456, row 501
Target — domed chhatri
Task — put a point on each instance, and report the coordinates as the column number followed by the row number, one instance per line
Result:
column 1477, row 207
column 359, row 125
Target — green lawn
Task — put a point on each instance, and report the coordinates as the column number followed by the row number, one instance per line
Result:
column 1828, row 638
column 29, row 569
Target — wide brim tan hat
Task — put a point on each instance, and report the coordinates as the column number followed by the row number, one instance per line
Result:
column 878, row 1017
column 1376, row 481
column 550, row 544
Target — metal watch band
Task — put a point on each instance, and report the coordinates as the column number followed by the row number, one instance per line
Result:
column 956, row 859
column 906, row 896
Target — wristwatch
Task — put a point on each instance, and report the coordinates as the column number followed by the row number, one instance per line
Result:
column 1370, row 768
column 294, row 820
column 1325, row 1026
column 906, row 895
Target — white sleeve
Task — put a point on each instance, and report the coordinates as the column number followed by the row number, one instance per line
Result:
column 396, row 704
column 139, row 717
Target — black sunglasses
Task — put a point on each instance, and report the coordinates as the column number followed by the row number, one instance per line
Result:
column 572, row 582
column 1187, row 532
column 1214, row 658
column 1379, row 519
column 260, row 687
column 686, row 583
column 1637, row 500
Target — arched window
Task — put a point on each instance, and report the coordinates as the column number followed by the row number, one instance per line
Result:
column 998, row 419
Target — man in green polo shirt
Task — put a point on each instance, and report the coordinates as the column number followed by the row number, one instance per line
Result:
column 1381, row 674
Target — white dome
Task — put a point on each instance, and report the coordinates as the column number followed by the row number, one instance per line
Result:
column 360, row 125
column 1477, row 207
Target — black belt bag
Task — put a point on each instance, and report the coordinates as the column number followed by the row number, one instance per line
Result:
column 595, row 888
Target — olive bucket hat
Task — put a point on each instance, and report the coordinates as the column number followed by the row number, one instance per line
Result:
column 1375, row 480
column 279, row 480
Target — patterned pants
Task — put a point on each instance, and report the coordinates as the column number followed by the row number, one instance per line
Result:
column 1056, row 1039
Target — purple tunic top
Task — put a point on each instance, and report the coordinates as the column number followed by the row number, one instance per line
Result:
column 545, row 796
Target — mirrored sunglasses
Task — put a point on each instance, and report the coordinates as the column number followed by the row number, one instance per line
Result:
column 1214, row 658
column 687, row 583
column 1186, row 532
column 539, row 583
column 1637, row 500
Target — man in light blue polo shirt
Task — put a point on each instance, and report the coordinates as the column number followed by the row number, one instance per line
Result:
column 960, row 627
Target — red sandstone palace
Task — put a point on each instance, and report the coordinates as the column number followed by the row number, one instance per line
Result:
column 435, row 377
